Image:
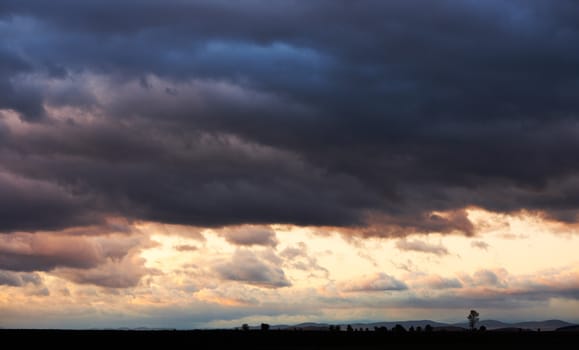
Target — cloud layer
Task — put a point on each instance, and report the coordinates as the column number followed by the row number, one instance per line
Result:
column 209, row 113
column 245, row 266
column 107, row 261
column 196, row 154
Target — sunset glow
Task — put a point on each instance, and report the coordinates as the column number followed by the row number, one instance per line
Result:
column 205, row 164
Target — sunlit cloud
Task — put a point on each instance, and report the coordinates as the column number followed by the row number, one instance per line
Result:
column 207, row 164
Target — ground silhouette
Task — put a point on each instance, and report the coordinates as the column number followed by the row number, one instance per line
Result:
column 286, row 339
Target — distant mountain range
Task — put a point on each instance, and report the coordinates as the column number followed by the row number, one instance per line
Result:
column 547, row 325
column 491, row 325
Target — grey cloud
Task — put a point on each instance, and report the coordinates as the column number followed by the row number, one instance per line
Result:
column 480, row 245
column 29, row 204
column 250, row 235
column 26, row 252
column 458, row 302
column 294, row 252
column 14, row 279
column 235, row 185
column 487, row 278
column 420, row 246
column 246, row 267
column 446, row 283
column 496, row 290
column 499, row 298
column 124, row 273
column 107, row 261
column 377, row 283
column 382, row 109
column 300, row 257
column 25, row 100
column 437, row 282
column 186, row 248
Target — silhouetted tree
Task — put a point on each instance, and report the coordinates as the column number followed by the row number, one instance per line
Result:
column 473, row 318
column 428, row 328
column 265, row 327
column 399, row 329
column 335, row 328
column 349, row 328
column 411, row 329
column 482, row 329
column 245, row 327
column 418, row 329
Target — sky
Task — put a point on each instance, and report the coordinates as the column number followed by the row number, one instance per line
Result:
column 204, row 164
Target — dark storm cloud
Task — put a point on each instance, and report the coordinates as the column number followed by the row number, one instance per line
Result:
column 312, row 113
column 28, row 205
column 162, row 176
column 25, row 100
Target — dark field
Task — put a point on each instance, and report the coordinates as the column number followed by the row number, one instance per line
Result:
column 284, row 339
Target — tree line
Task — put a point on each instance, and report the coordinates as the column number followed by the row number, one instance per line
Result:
column 473, row 318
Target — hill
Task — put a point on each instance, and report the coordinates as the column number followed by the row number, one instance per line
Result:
column 546, row 325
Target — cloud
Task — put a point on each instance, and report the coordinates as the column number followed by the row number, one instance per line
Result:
column 30, row 204
column 561, row 283
column 186, row 248
column 9, row 278
column 500, row 289
column 379, row 282
column 421, row 246
column 26, row 100
column 299, row 257
column 499, row 296
column 207, row 113
column 250, row 235
column 486, row 278
column 220, row 196
column 108, row 261
column 246, row 267
column 437, row 282
column 226, row 116
column 186, row 231
column 480, row 245
column 490, row 278
column 28, row 252
column 125, row 273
